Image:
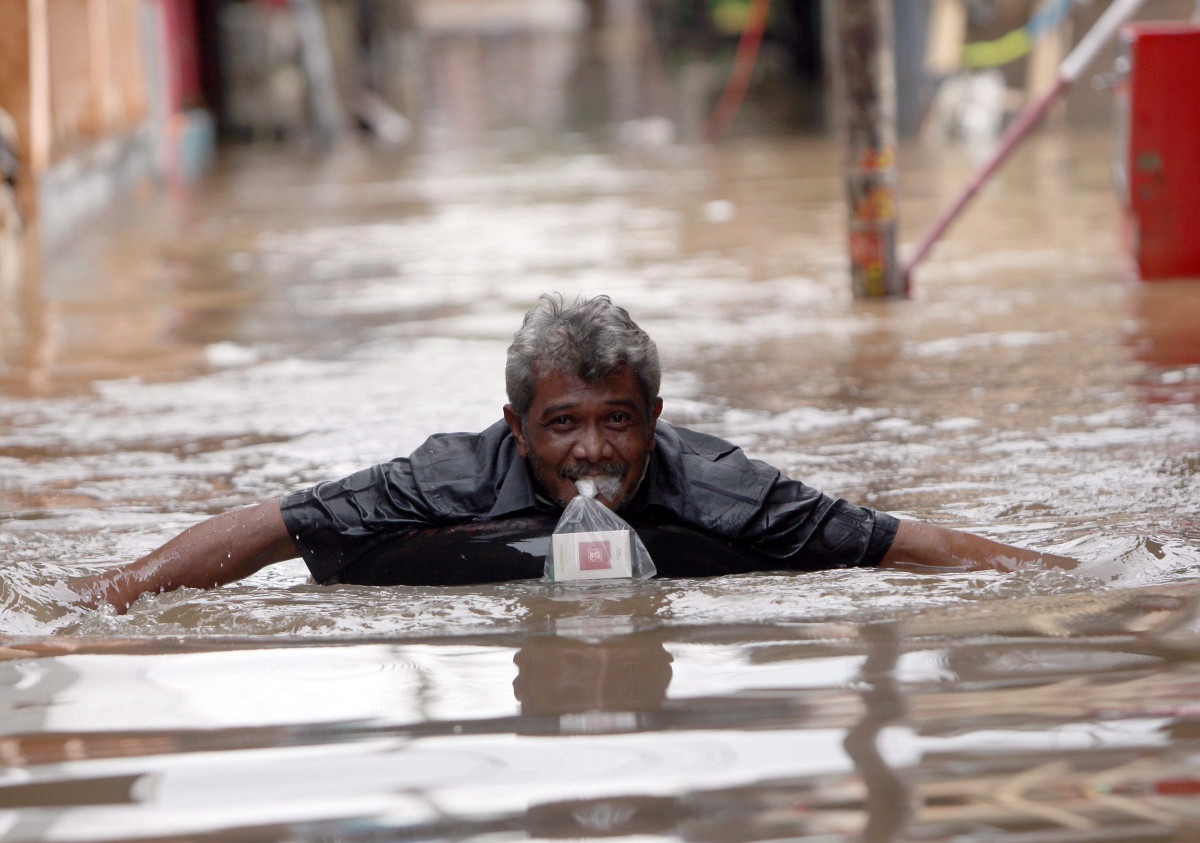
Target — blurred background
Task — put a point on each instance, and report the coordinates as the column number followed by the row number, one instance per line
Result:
column 108, row 103
column 103, row 98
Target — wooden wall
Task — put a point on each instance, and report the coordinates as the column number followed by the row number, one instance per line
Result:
column 71, row 73
column 17, row 84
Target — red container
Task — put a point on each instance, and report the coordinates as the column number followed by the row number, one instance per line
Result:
column 1158, row 165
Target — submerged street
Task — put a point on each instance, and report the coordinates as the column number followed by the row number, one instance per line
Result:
column 295, row 318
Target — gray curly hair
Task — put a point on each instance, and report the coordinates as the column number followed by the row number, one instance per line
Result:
column 591, row 338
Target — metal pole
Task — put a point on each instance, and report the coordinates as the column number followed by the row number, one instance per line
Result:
column 868, row 110
column 318, row 66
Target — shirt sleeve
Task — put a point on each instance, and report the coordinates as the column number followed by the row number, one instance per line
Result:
column 810, row 531
column 333, row 523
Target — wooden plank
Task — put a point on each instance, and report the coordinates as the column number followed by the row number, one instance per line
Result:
column 138, row 100
column 947, row 34
column 71, row 115
column 40, row 132
column 14, row 67
column 15, row 94
column 100, row 87
column 127, row 52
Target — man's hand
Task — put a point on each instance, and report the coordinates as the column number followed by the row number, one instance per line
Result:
column 223, row 549
column 920, row 545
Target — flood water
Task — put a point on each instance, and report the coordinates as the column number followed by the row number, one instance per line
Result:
column 295, row 318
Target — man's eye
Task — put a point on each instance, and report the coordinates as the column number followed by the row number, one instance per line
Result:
column 620, row 418
column 560, row 421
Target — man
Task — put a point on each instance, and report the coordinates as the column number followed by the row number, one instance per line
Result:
column 582, row 382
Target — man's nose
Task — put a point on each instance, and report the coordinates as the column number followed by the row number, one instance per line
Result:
column 592, row 446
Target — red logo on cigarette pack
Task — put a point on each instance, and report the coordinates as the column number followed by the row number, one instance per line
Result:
column 595, row 556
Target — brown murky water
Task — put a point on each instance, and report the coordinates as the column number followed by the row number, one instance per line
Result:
column 296, row 319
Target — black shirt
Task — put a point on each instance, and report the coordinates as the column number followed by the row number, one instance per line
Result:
column 699, row 480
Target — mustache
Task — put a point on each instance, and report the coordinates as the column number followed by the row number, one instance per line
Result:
column 612, row 469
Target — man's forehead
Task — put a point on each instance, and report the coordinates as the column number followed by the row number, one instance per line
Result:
column 564, row 389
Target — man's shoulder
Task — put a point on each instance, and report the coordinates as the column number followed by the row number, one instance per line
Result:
column 454, row 448
column 710, row 481
column 459, row 473
column 686, row 441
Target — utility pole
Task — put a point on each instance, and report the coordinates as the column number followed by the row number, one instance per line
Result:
column 866, row 88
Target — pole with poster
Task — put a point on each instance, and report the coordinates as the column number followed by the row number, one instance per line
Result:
column 867, row 93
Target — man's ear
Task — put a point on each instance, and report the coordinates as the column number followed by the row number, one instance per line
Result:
column 655, row 412
column 513, row 420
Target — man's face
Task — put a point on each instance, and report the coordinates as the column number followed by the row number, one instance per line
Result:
column 577, row 429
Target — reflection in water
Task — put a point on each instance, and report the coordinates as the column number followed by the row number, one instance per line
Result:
column 1164, row 336
column 27, row 341
column 983, row 736
column 887, row 802
column 560, row 676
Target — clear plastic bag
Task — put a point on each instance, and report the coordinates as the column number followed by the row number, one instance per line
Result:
column 591, row 542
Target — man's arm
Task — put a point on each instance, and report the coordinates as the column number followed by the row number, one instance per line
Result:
column 806, row 530
column 920, row 545
column 223, row 549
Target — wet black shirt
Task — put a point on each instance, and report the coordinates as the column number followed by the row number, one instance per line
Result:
column 699, row 480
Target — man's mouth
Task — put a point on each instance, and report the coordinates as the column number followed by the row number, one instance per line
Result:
column 608, row 477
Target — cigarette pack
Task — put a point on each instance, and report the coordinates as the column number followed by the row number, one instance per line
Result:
column 595, row 555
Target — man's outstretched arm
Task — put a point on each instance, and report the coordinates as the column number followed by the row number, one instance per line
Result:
column 223, row 549
column 920, row 545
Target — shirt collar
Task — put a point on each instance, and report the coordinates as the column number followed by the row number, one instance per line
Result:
column 646, row 493
column 516, row 491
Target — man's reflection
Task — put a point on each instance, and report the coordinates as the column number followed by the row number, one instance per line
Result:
column 559, row 675
column 596, row 678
